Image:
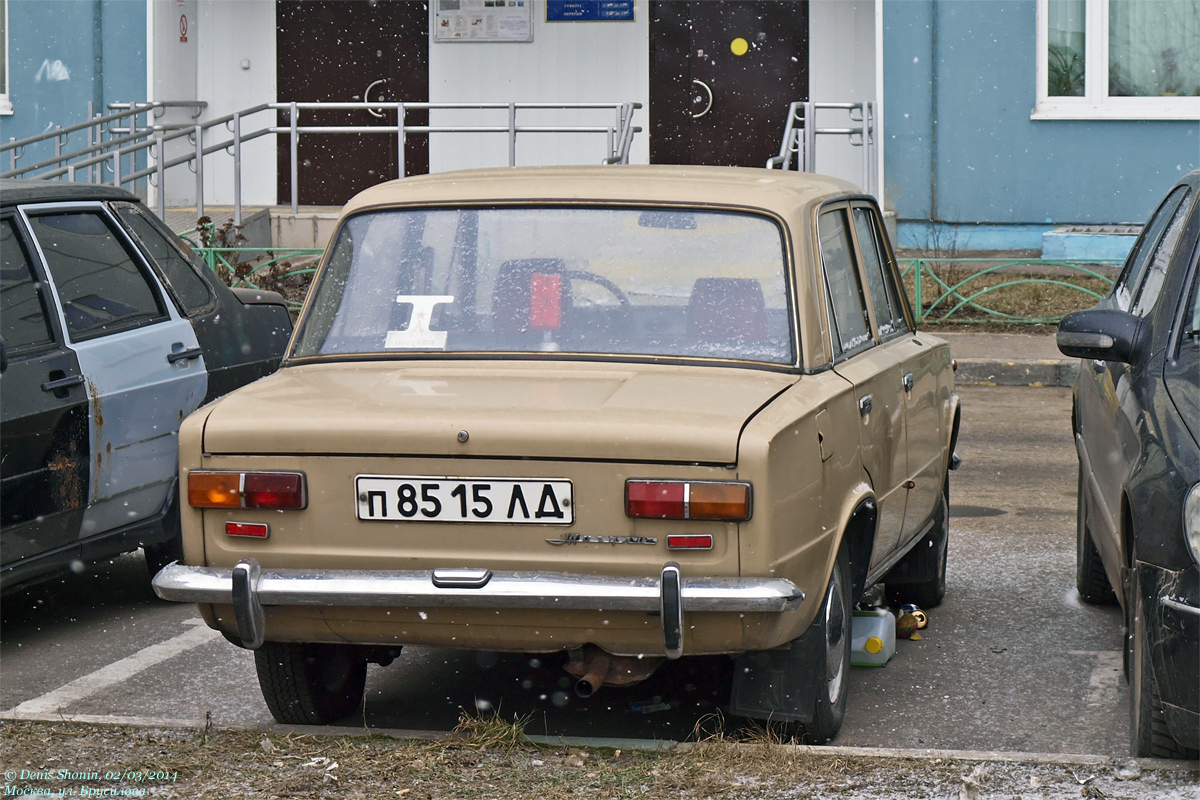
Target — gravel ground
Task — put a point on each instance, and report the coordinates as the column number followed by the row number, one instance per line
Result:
column 72, row 759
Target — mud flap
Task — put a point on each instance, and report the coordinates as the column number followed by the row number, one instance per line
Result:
column 780, row 684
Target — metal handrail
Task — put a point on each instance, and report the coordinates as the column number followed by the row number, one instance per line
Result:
column 132, row 139
column 96, row 125
column 799, row 143
column 952, row 299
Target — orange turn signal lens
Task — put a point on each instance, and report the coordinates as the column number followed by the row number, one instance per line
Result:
column 727, row 502
column 215, row 489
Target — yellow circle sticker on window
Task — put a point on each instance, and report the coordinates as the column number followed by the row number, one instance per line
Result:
column 739, row 46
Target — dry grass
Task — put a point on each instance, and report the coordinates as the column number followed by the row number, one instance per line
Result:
column 488, row 759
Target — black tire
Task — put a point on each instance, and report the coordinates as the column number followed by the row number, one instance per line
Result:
column 927, row 559
column 310, row 684
column 1149, row 736
column 834, row 620
column 1090, row 577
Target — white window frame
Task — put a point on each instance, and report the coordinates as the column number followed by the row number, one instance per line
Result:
column 1096, row 104
column 6, row 106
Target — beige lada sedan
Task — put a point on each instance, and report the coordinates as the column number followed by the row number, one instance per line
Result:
column 627, row 413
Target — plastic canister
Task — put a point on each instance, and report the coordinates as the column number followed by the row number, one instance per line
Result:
column 872, row 638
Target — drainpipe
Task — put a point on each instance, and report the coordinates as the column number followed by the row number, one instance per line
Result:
column 933, row 111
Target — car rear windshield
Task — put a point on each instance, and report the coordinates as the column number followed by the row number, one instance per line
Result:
column 660, row 282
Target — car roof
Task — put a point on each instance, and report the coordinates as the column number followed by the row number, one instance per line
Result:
column 781, row 191
column 15, row 191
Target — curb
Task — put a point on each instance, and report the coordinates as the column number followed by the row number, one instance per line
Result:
column 1028, row 372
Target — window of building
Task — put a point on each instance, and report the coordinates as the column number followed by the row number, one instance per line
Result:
column 1118, row 59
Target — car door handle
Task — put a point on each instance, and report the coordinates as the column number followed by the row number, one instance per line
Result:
column 864, row 405
column 908, row 382
column 59, row 384
column 184, row 355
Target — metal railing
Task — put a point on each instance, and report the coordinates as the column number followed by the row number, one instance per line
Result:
column 115, row 136
column 109, row 138
column 960, row 293
column 799, row 144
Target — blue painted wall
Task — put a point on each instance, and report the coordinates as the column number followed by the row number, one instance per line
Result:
column 63, row 53
column 959, row 85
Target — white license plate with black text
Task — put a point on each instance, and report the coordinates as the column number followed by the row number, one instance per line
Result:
column 405, row 498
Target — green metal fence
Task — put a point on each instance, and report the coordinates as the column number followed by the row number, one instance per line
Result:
column 1024, row 291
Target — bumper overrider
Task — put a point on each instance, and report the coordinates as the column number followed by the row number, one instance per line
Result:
column 248, row 587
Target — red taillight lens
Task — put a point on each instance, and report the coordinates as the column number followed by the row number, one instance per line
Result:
column 257, row 530
column 654, row 499
column 723, row 501
column 689, row 541
column 270, row 490
column 273, row 490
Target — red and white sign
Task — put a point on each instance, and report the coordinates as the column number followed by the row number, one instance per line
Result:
column 183, row 27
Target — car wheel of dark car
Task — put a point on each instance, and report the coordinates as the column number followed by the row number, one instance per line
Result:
column 1090, row 578
column 1148, row 733
column 833, row 621
column 310, row 684
column 920, row 578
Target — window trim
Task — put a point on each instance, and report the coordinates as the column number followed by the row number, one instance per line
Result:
column 837, row 349
column 1096, row 104
column 166, row 308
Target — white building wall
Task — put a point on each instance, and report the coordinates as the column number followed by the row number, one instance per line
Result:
column 171, row 64
column 567, row 62
column 841, row 68
column 228, row 60
column 236, row 71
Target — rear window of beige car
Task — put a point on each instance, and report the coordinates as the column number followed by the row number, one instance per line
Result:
column 660, row 282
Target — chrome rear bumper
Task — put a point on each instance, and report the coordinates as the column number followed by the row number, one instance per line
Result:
column 248, row 588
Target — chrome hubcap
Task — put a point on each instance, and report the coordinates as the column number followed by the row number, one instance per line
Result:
column 835, row 638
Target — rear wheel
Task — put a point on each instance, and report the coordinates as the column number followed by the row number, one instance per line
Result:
column 1090, row 578
column 834, row 620
column 1149, row 736
column 310, row 684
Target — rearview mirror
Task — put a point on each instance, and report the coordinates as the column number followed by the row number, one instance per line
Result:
column 1101, row 334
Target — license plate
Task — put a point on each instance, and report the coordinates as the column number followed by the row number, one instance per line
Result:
column 414, row 498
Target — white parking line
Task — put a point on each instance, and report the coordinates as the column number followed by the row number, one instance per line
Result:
column 111, row 675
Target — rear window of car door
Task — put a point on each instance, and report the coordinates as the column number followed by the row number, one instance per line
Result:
column 23, row 317
column 847, row 308
column 889, row 314
column 100, row 285
column 181, row 277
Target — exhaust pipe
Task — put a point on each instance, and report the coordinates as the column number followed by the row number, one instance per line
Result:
column 597, row 671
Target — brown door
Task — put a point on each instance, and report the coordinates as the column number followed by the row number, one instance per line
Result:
column 722, row 73
column 334, row 51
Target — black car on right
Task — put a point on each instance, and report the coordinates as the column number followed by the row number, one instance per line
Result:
column 1136, row 420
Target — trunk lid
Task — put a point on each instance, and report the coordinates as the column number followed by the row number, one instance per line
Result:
column 559, row 410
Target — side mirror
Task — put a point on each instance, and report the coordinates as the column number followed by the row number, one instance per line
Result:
column 1102, row 334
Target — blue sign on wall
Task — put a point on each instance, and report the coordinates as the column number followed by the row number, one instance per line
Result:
column 589, row 10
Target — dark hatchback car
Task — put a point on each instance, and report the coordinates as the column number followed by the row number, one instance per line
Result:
column 1137, row 423
column 111, row 335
